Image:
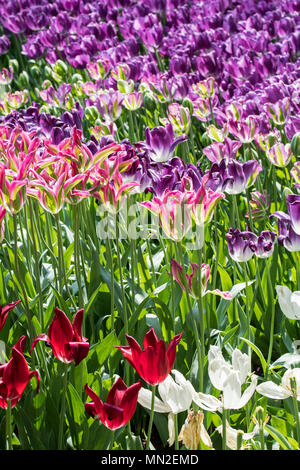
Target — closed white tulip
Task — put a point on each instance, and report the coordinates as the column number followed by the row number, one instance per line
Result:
column 289, row 302
column 229, row 378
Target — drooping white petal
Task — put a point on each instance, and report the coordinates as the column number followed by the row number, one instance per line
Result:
column 145, row 399
column 248, row 393
column 271, row 390
column 207, row 402
column 232, row 435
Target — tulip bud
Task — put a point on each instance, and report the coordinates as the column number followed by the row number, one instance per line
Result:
column 149, row 102
column 6, row 76
column 187, row 103
column 295, row 145
column 91, row 113
column 35, row 71
column 76, row 78
column 121, row 72
column 15, row 65
column 125, row 86
column 60, row 68
column 24, row 79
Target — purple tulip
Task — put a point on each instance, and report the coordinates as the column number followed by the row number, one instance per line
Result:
column 265, row 244
column 160, row 142
column 232, row 176
column 293, row 206
column 241, row 245
column 287, row 237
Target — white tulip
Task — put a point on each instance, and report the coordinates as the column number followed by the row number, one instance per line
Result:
column 280, row 392
column 176, row 396
column 229, row 378
column 289, row 302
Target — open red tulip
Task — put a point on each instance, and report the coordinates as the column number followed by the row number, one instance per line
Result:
column 15, row 375
column 155, row 362
column 119, row 407
column 65, row 339
column 4, row 312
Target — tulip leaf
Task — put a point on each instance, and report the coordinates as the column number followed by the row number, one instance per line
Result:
column 282, row 440
column 100, row 351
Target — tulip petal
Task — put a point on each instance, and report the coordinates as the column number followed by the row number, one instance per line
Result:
column 271, row 390
column 145, row 399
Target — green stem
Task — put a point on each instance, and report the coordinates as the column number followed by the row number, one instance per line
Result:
column 112, row 440
column 112, row 283
column 63, row 409
column 8, row 426
column 20, row 281
column 77, row 213
column 271, row 297
column 63, row 275
column 195, row 328
column 151, row 417
column 224, row 419
column 176, row 431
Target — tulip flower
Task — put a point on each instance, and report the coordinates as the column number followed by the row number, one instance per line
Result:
column 231, row 176
column 179, row 117
column 155, row 362
column 293, row 206
column 265, row 244
column 6, row 75
column 279, row 154
column 203, row 204
column 196, row 287
column 160, row 142
column 287, row 237
column 241, row 245
column 176, row 396
column 278, row 111
column 4, row 311
column 119, row 407
column 64, row 338
column 229, row 378
column 245, row 131
column 193, row 431
column 217, row 151
column 133, row 101
column 15, row 375
column 285, row 389
column 289, row 302
column 13, row 190
column 173, row 211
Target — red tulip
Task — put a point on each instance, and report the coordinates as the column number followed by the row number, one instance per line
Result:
column 155, row 362
column 119, row 407
column 4, row 311
column 66, row 340
column 15, row 375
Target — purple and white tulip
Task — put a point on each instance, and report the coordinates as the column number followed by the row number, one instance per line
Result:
column 160, row 142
